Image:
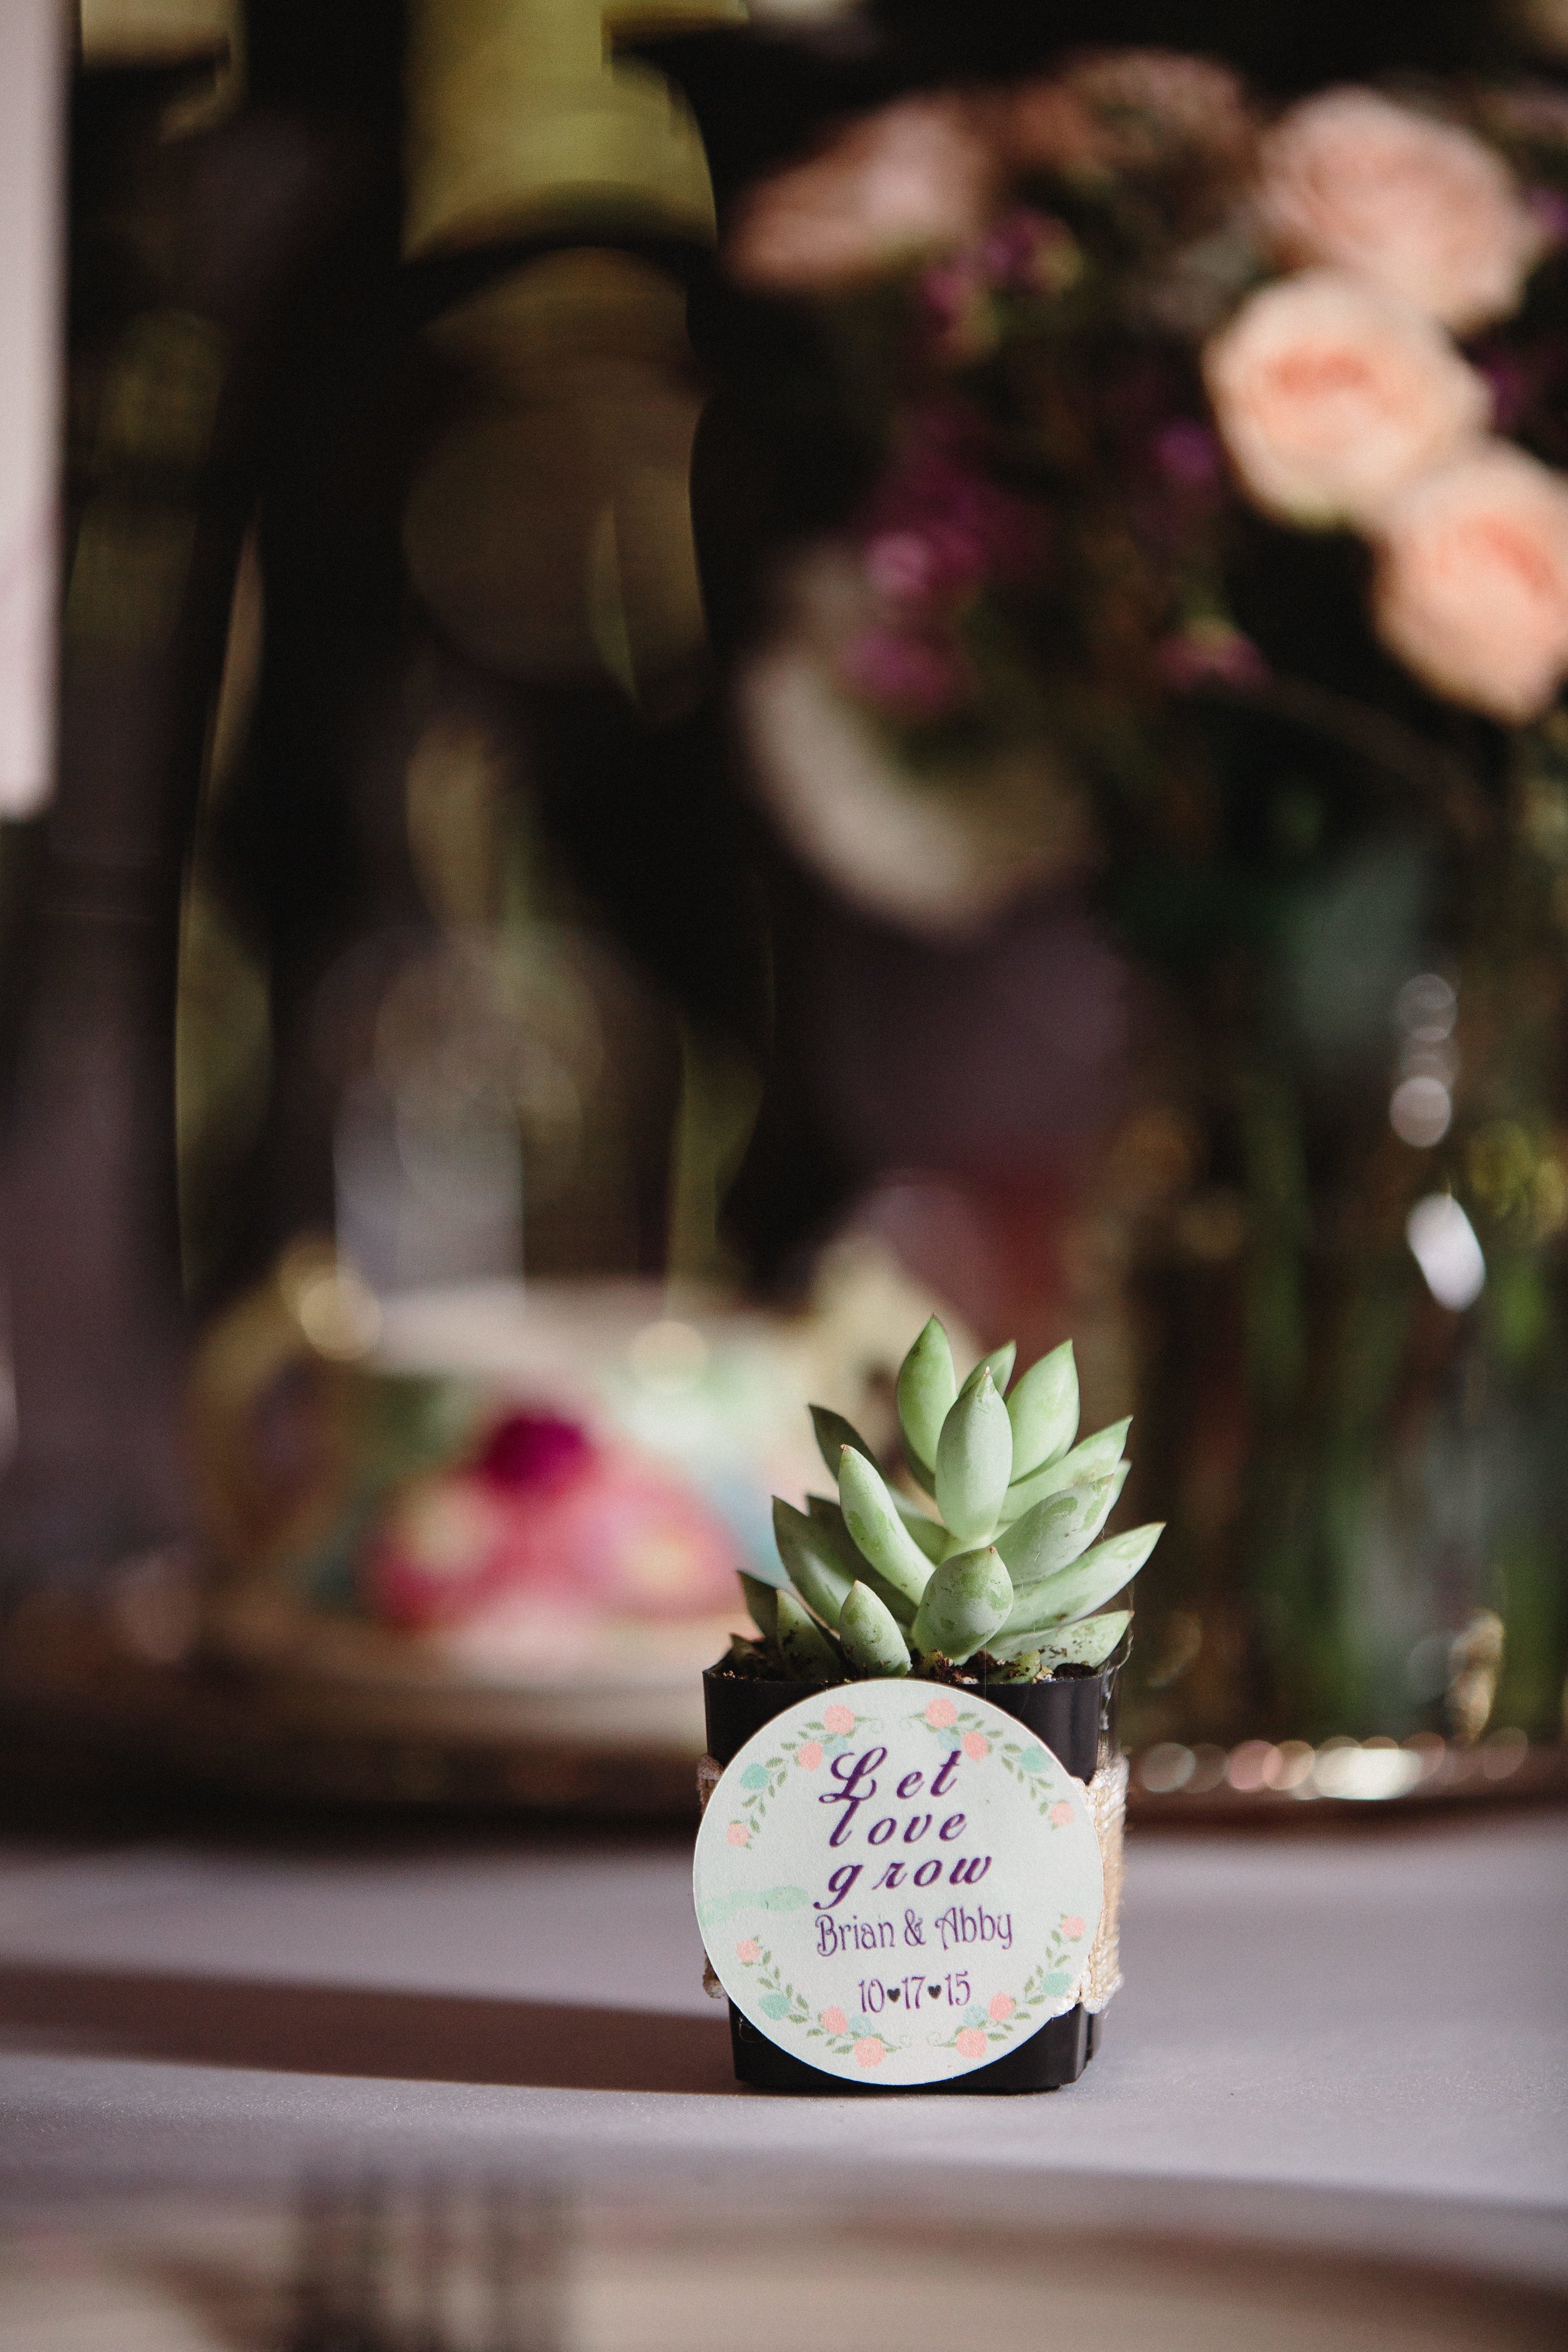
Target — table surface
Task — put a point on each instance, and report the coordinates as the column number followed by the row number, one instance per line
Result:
column 1359, row 2039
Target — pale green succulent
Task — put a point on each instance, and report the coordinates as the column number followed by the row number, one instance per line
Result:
column 875, row 1585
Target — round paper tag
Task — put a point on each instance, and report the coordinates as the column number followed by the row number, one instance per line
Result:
column 898, row 1883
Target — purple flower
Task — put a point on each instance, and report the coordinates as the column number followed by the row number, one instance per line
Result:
column 937, row 527
column 1188, row 455
column 1031, row 251
column 920, row 676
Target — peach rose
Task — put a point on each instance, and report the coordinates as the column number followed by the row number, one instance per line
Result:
column 1471, row 590
column 913, row 178
column 969, row 2043
column 809, row 1755
column 738, row 1835
column 1073, row 1926
column 941, row 1713
column 835, row 2022
column 1060, row 1815
column 976, row 1747
column 1422, row 208
column 1002, row 2007
column 1330, row 396
column 837, row 1720
column 870, row 2052
column 748, row 1950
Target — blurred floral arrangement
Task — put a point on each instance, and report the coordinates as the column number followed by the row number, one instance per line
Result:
column 1087, row 319
column 506, row 1485
column 1212, row 543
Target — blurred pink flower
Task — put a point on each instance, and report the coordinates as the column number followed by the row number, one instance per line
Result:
column 1330, row 395
column 1060, row 1815
column 748, row 1950
column 976, row 1747
column 1129, row 111
column 970, row 2041
column 445, row 1543
column 870, row 2052
column 809, row 1756
column 593, row 1529
column 942, row 1714
column 738, row 1835
column 937, row 528
column 1422, row 208
column 1073, row 1926
column 920, row 676
column 914, row 178
column 838, row 1720
column 924, row 567
column 1471, row 587
column 532, row 1452
column 835, row 2022
column 1002, row 2007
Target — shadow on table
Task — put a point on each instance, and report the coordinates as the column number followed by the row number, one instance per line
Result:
column 344, row 2029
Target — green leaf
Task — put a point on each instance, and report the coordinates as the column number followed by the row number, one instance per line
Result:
column 827, row 1519
column 808, row 1654
column 879, row 1534
column 871, row 1635
column 1076, row 1592
column 929, row 1534
column 1051, row 1536
column 1088, row 1644
column 814, row 1570
column 927, row 1386
column 762, row 1603
column 998, row 1363
column 1090, row 1456
column 832, row 1434
column 1043, row 1410
column 967, row 1599
column 974, row 1461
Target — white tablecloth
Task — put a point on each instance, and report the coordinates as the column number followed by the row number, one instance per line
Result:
column 1360, row 2039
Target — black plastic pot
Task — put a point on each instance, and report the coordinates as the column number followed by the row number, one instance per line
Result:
column 1074, row 1718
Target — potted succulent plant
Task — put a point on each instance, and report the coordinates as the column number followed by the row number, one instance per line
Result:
column 1001, row 1593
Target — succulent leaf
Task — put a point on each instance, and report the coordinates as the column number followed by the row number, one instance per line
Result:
column 808, row 1654
column 927, row 1386
column 1088, row 1456
column 829, row 1521
column 967, row 1599
column 998, row 1363
column 870, row 1635
column 1043, row 1410
column 1053, row 1533
column 879, row 1534
column 1076, row 1592
column 975, row 1460
column 929, row 1534
column 832, row 1434
column 762, row 1604
column 814, row 1569
column 1088, row 1643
